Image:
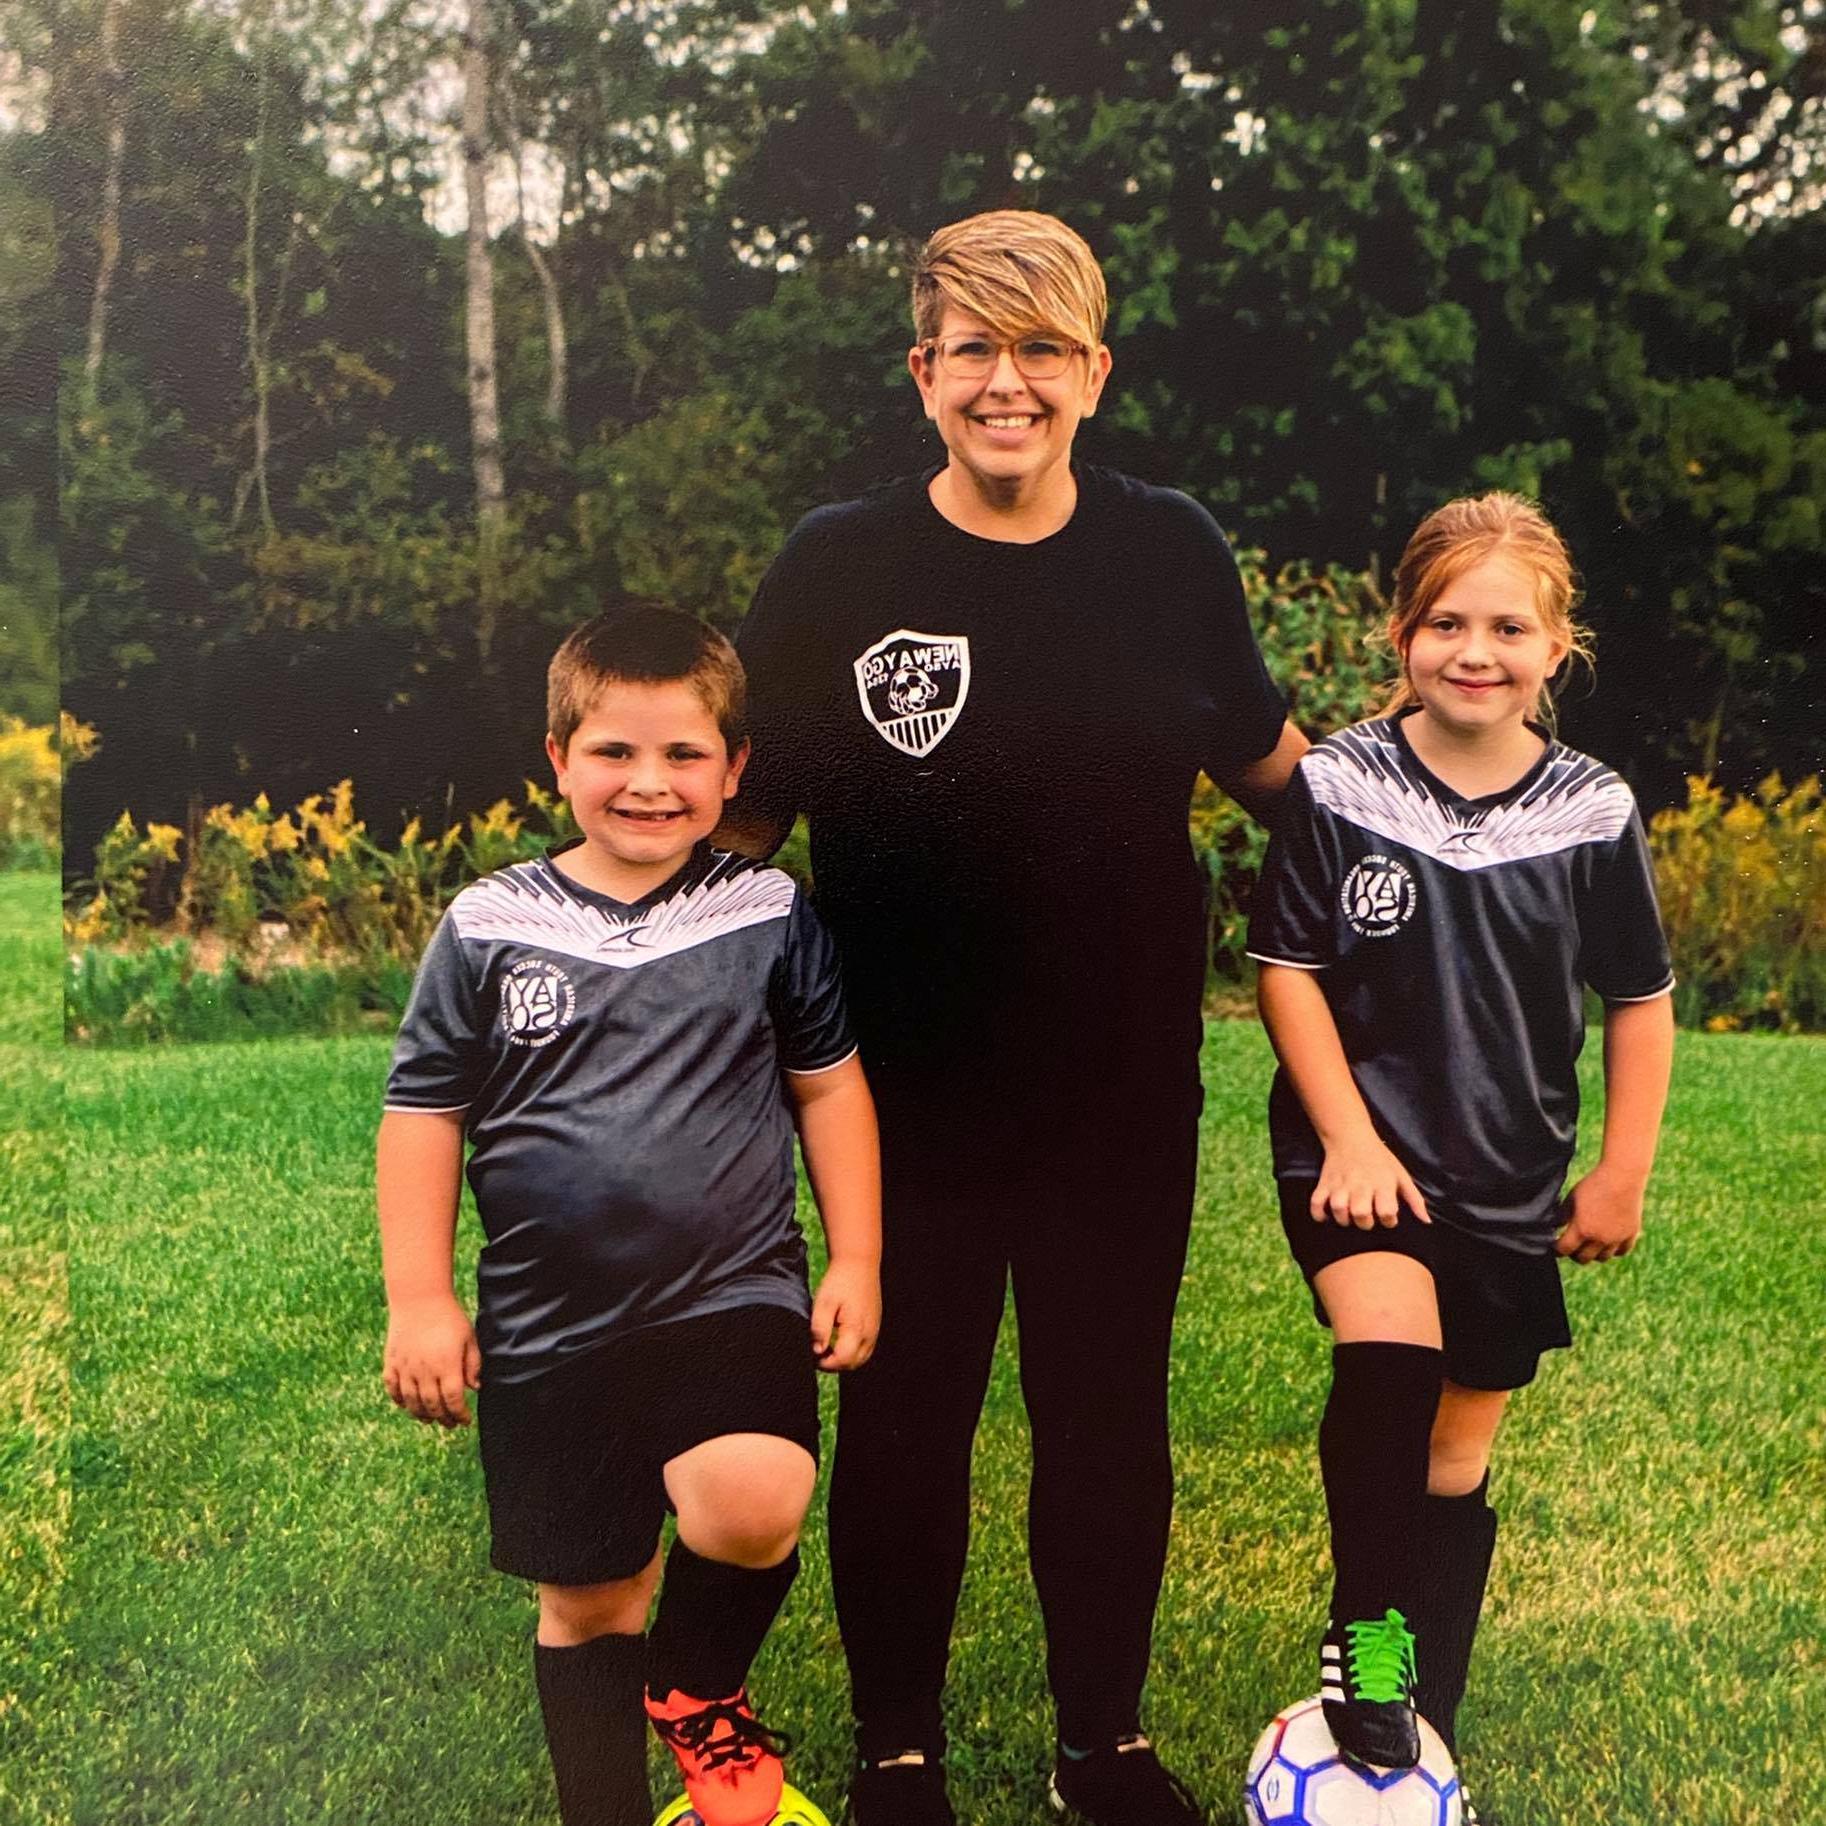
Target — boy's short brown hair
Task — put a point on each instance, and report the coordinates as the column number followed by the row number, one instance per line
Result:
column 645, row 644
column 1016, row 269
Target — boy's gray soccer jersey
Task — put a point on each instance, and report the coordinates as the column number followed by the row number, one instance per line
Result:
column 618, row 1068
column 1451, row 936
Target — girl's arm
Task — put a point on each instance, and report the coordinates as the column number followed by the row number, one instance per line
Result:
column 1604, row 1210
column 431, row 1355
column 1361, row 1183
column 843, row 1158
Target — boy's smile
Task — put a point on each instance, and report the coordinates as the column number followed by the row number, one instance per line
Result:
column 646, row 773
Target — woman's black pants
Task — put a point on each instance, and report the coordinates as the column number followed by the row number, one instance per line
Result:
column 1094, row 1241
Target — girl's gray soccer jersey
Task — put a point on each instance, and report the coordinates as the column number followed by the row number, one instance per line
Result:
column 1451, row 936
column 618, row 1070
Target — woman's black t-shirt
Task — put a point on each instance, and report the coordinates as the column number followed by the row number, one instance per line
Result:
column 995, row 745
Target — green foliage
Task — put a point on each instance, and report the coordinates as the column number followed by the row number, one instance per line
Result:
column 135, row 872
column 1361, row 256
column 28, row 615
column 295, row 922
column 683, row 505
column 1319, row 631
column 159, row 993
column 1742, row 883
column 30, row 796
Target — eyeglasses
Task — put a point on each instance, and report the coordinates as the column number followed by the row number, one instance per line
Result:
column 1035, row 357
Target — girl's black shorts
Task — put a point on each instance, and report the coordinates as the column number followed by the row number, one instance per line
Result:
column 574, row 1459
column 1498, row 1308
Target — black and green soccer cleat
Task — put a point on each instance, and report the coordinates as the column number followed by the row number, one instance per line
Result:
column 1366, row 1684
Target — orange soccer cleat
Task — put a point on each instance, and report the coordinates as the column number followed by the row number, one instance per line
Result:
column 729, row 1759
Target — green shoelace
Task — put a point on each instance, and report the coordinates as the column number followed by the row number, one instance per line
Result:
column 1382, row 1658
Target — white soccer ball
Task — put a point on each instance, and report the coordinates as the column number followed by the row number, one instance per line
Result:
column 1297, row 1777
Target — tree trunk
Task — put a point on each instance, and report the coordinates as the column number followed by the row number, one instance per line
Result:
column 484, row 404
column 557, row 384
column 557, row 345
column 107, row 234
column 257, row 349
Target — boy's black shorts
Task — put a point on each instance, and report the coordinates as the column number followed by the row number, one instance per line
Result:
column 1498, row 1308
column 573, row 1459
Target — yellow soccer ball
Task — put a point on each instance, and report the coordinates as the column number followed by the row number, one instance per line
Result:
column 795, row 1810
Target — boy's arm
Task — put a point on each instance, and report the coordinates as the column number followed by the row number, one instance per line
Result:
column 431, row 1355
column 1362, row 1182
column 1604, row 1209
column 843, row 1158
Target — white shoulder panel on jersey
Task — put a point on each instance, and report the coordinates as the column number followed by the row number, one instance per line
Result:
column 1357, row 775
column 519, row 906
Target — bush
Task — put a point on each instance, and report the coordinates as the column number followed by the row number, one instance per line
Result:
column 1318, row 631
column 159, row 993
column 306, row 882
column 1743, row 896
column 33, row 762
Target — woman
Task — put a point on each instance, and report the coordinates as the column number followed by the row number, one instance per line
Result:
column 991, row 690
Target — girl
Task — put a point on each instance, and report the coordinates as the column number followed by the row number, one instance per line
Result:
column 1442, row 881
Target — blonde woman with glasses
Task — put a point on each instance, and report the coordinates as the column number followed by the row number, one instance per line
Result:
column 990, row 688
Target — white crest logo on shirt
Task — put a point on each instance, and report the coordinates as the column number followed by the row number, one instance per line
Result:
column 537, row 1002
column 913, row 687
column 1379, row 896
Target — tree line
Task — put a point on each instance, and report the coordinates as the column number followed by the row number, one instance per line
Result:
column 350, row 351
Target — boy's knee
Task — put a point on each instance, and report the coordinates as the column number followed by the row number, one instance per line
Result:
column 742, row 1501
column 572, row 1614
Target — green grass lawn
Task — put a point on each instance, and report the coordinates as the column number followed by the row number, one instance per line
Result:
column 34, row 1377
column 278, row 1606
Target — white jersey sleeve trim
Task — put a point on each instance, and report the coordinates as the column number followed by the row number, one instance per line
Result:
column 1290, row 963
column 420, row 1109
column 1620, row 1001
column 818, row 1071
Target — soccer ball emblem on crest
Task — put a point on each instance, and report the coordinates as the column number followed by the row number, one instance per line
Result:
column 794, row 1810
column 1298, row 1777
column 910, row 691
column 537, row 1002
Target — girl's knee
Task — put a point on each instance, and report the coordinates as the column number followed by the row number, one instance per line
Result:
column 1464, row 1430
column 1456, row 1470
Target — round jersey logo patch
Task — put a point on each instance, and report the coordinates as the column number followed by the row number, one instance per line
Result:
column 537, row 1002
column 1379, row 896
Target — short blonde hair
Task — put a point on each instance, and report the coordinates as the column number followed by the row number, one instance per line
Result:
column 645, row 644
column 1455, row 539
column 1017, row 270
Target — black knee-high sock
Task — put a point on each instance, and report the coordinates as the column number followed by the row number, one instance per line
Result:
column 1373, row 1445
column 1458, row 1537
column 712, row 1621
column 596, row 1730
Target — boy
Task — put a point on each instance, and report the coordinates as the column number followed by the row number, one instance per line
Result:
column 609, row 1026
